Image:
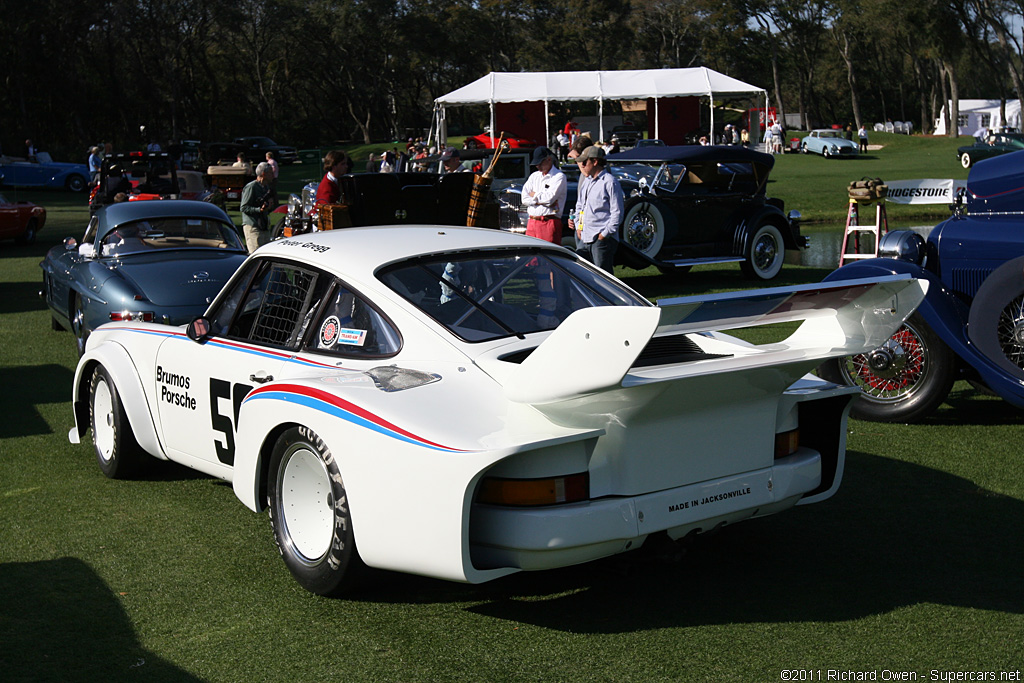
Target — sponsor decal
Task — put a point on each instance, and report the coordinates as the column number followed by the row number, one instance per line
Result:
column 318, row 248
column 174, row 388
column 329, row 332
column 924, row 191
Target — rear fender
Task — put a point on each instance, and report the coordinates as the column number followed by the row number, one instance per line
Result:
column 119, row 365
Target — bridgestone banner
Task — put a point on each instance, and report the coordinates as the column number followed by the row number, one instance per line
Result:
column 925, row 191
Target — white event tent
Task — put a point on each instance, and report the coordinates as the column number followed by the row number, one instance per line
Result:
column 558, row 86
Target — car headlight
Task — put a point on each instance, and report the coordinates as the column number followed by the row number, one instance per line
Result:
column 904, row 245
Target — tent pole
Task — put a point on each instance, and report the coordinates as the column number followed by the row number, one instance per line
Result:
column 657, row 121
column 492, row 123
column 711, row 127
column 547, row 125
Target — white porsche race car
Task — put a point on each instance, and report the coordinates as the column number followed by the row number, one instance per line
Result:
column 465, row 403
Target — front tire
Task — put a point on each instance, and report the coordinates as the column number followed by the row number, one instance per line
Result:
column 765, row 253
column 309, row 514
column 117, row 451
column 904, row 380
column 644, row 228
column 965, row 160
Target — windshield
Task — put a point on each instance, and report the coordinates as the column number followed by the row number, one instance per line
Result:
column 169, row 233
column 635, row 171
column 486, row 296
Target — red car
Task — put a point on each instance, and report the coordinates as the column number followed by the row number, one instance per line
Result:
column 484, row 141
column 20, row 221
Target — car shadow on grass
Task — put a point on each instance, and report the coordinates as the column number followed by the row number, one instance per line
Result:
column 29, row 387
column 896, row 534
column 60, row 622
column 19, row 297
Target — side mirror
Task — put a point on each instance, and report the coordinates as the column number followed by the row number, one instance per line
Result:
column 70, row 243
column 199, row 329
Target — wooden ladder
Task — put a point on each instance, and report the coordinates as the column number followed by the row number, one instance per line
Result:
column 855, row 229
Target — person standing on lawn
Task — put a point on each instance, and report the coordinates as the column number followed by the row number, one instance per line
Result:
column 598, row 211
column 255, row 206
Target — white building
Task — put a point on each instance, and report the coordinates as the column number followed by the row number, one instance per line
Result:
column 976, row 115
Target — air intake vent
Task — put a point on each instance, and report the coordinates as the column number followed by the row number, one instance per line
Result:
column 966, row 281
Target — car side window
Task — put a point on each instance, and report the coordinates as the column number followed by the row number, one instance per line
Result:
column 90, row 231
column 349, row 326
column 270, row 304
column 670, row 177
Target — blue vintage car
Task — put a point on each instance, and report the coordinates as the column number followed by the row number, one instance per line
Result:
column 149, row 261
column 43, row 172
column 829, row 142
column 971, row 324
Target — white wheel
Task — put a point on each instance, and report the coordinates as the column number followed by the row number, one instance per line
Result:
column 310, row 515
column 965, row 160
column 644, row 228
column 765, row 253
column 117, row 452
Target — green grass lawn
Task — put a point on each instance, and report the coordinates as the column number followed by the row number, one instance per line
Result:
column 914, row 566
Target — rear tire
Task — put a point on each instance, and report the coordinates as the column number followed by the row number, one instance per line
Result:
column 310, row 516
column 765, row 253
column 75, row 183
column 117, row 451
column 29, row 236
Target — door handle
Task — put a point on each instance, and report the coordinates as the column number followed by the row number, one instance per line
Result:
column 261, row 378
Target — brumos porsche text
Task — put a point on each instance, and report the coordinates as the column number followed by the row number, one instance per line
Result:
column 171, row 386
column 687, row 504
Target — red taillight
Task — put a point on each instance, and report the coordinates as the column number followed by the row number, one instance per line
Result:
column 132, row 316
column 786, row 443
column 571, row 488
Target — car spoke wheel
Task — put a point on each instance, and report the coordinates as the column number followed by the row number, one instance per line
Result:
column 117, row 452
column 1010, row 331
column 995, row 323
column 309, row 514
column 965, row 160
column 903, row 380
column 765, row 253
column 644, row 228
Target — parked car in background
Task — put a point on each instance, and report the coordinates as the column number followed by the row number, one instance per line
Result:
column 829, row 142
column 692, row 205
column 20, row 221
column 626, row 135
column 256, row 149
column 485, row 141
column 322, row 381
column 214, row 153
column 993, row 145
column 651, row 142
column 159, row 261
column 971, row 324
column 138, row 175
column 43, row 172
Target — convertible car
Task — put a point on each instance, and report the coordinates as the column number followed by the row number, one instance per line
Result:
column 971, row 325
column 686, row 206
column 993, row 145
column 136, row 175
column 465, row 403
column 829, row 143
column 20, row 221
column 485, row 141
column 42, row 171
column 151, row 261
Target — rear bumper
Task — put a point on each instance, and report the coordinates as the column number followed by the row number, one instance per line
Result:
column 545, row 538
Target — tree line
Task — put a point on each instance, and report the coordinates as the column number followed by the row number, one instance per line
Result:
column 312, row 72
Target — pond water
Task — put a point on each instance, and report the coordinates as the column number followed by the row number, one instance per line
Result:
column 827, row 240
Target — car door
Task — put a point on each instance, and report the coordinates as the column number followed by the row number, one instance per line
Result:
column 9, row 224
column 255, row 328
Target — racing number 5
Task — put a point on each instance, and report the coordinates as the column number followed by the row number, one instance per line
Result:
column 226, row 424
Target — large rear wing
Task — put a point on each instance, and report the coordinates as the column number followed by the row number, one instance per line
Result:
column 594, row 348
